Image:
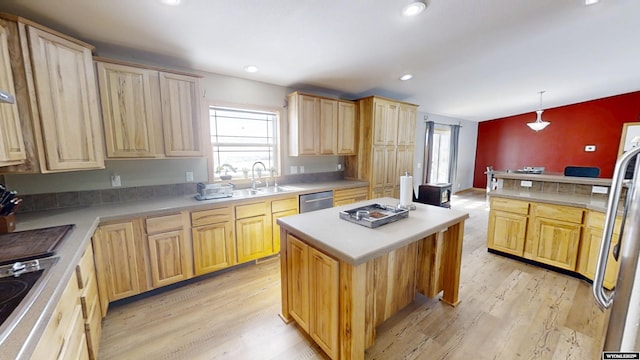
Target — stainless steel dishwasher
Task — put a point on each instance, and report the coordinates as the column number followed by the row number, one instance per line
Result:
column 316, row 201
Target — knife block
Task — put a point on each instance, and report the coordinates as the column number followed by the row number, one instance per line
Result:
column 7, row 223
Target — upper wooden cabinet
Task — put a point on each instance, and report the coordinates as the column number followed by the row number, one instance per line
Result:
column 182, row 125
column 127, row 110
column 321, row 126
column 386, row 144
column 149, row 112
column 12, row 150
column 57, row 99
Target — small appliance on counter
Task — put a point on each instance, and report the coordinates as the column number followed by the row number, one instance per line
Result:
column 214, row 191
column 531, row 170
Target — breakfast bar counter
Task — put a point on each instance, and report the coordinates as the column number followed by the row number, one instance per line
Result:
column 340, row 280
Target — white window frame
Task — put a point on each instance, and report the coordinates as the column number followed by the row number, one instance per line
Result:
column 277, row 151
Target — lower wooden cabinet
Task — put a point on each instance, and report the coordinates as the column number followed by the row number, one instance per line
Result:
column 213, row 240
column 313, row 298
column 555, row 235
column 73, row 332
column 281, row 208
column 253, row 232
column 170, row 254
column 350, row 196
column 590, row 249
column 120, row 261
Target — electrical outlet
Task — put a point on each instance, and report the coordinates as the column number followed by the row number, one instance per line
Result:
column 419, row 165
column 293, row 169
column 115, row 181
column 189, row 176
column 339, row 167
column 600, row 190
column 590, row 148
column 526, row 183
column 301, row 169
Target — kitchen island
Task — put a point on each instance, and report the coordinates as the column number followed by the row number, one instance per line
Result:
column 341, row 280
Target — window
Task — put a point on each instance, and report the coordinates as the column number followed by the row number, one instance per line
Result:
column 240, row 137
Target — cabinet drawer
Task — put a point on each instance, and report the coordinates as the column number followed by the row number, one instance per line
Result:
column 75, row 346
column 556, row 212
column 508, row 205
column 85, row 269
column 89, row 297
column 284, row 204
column 250, row 210
column 350, row 193
column 595, row 219
column 166, row 223
column 93, row 331
column 212, row 216
column 52, row 341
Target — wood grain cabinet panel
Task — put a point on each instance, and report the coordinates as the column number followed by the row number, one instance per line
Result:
column 507, row 232
column 12, row 149
column 324, row 301
column 349, row 196
column 347, row 129
column 298, row 271
column 304, row 124
column 213, row 247
column 181, row 115
column 168, row 258
column 386, row 145
column 127, row 110
column 67, row 102
column 328, row 127
column 590, row 249
column 253, row 238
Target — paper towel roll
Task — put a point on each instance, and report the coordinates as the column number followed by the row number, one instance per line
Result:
column 406, row 190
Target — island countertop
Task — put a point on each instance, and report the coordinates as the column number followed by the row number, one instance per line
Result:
column 325, row 230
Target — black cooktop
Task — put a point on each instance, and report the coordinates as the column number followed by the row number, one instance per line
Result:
column 14, row 289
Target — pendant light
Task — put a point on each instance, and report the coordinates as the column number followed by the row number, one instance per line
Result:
column 539, row 124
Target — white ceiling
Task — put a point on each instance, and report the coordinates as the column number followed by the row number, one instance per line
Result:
column 471, row 59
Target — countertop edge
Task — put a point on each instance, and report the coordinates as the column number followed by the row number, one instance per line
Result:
column 553, row 178
column 579, row 201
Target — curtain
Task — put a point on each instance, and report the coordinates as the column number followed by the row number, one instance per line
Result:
column 428, row 151
column 454, row 132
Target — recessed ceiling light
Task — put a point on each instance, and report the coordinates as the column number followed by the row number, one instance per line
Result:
column 414, row 8
column 590, row 2
column 171, row 2
column 406, row 77
column 251, row 68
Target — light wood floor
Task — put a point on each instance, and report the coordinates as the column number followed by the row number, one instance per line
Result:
column 509, row 310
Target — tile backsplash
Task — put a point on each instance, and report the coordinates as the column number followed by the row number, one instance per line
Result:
column 70, row 199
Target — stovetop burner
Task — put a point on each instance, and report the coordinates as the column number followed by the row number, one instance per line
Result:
column 13, row 290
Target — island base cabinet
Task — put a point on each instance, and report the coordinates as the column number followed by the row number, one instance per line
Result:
column 313, row 299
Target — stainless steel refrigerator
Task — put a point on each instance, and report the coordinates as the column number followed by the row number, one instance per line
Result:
column 623, row 332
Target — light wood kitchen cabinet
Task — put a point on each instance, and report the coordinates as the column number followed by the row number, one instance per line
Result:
column 12, row 150
column 590, row 249
column 90, row 302
column 555, row 235
column 213, row 240
column 170, row 253
column 253, row 232
column 350, row 196
column 320, row 126
column 121, row 258
column 56, row 95
column 328, row 127
column 507, row 226
column 182, row 124
column 313, row 297
column 347, row 129
column 303, row 114
column 128, row 113
column 386, row 144
column 149, row 111
column 281, row 208
column 64, row 336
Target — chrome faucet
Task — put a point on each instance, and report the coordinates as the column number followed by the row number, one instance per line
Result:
column 253, row 175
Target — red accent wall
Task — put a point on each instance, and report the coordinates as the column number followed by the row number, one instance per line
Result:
column 508, row 143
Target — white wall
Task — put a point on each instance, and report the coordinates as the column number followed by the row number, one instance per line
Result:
column 467, row 149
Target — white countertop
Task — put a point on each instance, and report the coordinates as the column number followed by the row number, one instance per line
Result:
column 21, row 342
column 356, row 244
column 560, row 178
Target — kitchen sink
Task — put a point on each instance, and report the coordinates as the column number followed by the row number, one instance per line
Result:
column 263, row 191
